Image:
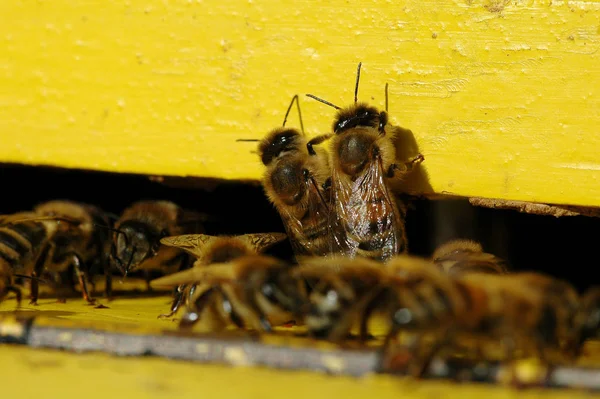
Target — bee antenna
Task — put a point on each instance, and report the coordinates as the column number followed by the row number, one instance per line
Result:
column 130, row 259
column 386, row 97
column 247, row 140
column 357, row 79
column 322, row 101
column 113, row 230
column 297, row 100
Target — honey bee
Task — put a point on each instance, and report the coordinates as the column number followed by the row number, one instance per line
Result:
column 295, row 182
column 82, row 243
column 24, row 247
column 215, row 249
column 137, row 234
column 343, row 290
column 457, row 257
column 252, row 291
column 526, row 311
column 365, row 213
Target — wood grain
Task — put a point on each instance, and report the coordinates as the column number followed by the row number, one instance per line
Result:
column 501, row 97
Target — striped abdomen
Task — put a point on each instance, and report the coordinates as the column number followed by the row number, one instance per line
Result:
column 20, row 244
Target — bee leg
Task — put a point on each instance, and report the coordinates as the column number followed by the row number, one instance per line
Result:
column 406, row 167
column 228, row 308
column 108, row 282
column 46, row 253
column 420, row 367
column 383, row 120
column 79, row 272
column 192, row 316
column 390, row 361
column 17, row 292
column 177, row 301
column 366, row 316
column 316, row 141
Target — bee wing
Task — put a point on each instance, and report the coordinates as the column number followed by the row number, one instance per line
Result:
column 365, row 217
column 193, row 244
column 304, row 233
column 261, row 241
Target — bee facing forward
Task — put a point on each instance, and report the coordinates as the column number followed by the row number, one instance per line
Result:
column 209, row 250
column 137, row 235
column 293, row 181
column 458, row 257
column 365, row 216
column 254, row 291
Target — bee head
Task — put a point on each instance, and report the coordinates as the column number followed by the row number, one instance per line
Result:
column 329, row 303
column 282, row 290
column 278, row 142
column 289, row 181
column 359, row 114
column 134, row 243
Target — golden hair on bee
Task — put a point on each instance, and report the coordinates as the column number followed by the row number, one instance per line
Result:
column 255, row 291
column 209, row 250
column 294, row 181
column 461, row 256
column 365, row 217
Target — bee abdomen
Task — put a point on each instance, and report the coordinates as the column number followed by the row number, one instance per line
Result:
column 14, row 246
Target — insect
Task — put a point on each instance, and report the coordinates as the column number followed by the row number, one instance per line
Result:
column 136, row 239
column 526, row 311
column 215, row 249
column 82, row 243
column 343, row 290
column 294, row 180
column 457, row 257
column 365, row 216
column 23, row 250
column 253, row 291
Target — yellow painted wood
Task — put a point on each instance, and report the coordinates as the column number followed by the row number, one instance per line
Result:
column 52, row 373
column 502, row 96
column 46, row 373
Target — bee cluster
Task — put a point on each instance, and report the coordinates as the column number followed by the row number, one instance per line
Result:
column 346, row 227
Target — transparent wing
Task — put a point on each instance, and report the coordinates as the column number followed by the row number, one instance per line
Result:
column 307, row 227
column 365, row 220
column 193, row 244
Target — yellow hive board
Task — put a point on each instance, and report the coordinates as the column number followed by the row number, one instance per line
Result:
column 98, row 375
column 502, row 96
column 102, row 376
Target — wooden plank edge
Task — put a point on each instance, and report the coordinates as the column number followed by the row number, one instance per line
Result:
column 245, row 350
